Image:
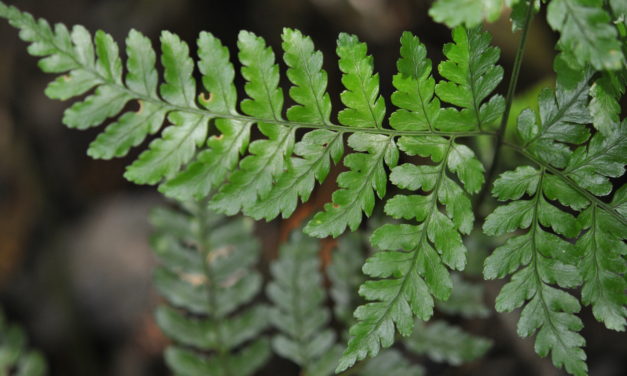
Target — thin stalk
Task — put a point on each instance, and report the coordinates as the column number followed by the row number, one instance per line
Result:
column 509, row 99
column 204, row 248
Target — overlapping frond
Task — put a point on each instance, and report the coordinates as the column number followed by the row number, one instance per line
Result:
column 205, row 276
column 345, row 275
column 587, row 33
column 297, row 294
column 443, row 342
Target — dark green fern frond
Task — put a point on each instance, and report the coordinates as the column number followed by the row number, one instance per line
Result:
column 544, row 258
column 345, row 275
column 466, row 299
column 206, row 276
column 443, row 342
column 391, row 363
column 298, row 313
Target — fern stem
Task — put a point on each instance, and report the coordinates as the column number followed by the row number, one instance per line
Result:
column 297, row 125
column 589, row 196
column 204, row 249
column 511, row 89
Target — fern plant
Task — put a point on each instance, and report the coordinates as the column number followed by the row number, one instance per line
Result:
column 565, row 219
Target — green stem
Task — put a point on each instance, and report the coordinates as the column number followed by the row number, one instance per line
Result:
column 204, row 248
column 511, row 89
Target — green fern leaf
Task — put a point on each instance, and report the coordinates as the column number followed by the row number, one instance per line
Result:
column 189, row 363
column 221, row 156
column 602, row 158
column 468, row 12
column 411, row 265
column 466, row 299
column 345, row 275
column 254, row 178
column 603, row 264
column 538, row 259
column 586, row 32
column 414, row 80
column 316, row 147
column 132, row 127
column 604, row 105
column 356, row 195
column 365, row 109
column 472, row 75
column 411, row 269
column 206, row 272
column 563, row 116
column 297, row 295
column 446, row 343
column 179, row 141
column 391, row 363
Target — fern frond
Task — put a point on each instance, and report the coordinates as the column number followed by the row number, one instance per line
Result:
column 446, row 343
column 365, row 109
column 205, row 275
column 366, row 176
column 605, row 95
column 587, row 33
column 199, row 151
column 412, row 267
column 603, row 264
column 213, row 164
column 414, row 81
column 469, row 13
column 585, row 173
column 15, row 358
column 298, row 313
column 592, row 165
column 345, row 275
column 539, row 260
column 563, row 116
column 472, row 75
column 268, row 156
column 391, row 363
column 317, row 147
column 466, row 299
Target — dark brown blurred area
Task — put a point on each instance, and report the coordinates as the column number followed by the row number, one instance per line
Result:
column 75, row 268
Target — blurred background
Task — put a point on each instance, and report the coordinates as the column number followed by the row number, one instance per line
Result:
column 75, row 267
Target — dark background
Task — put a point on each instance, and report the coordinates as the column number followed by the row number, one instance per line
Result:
column 75, row 267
